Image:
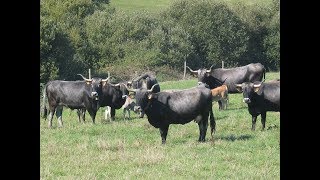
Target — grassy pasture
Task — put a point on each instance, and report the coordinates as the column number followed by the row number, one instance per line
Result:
column 156, row 6
column 132, row 149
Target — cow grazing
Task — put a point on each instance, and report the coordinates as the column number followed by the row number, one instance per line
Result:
column 127, row 107
column 260, row 97
column 221, row 94
column 74, row 95
column 176, row 107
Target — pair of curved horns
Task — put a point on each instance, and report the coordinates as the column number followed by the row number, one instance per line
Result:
column 103, row 80
column 135, row 90
column 208, row 71
column 255, row 85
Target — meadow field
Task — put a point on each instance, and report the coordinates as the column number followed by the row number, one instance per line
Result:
column 132, row 149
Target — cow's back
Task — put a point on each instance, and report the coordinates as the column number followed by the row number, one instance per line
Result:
column 271, row 95
column 67, row 93
column 180, row 107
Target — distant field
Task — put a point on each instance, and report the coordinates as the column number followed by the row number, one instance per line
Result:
column 132, row 149
column 140, row 5
column 154, row 6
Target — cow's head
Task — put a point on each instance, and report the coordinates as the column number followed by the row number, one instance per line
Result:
column 248, row 89
column 142, row 96
column 204, row 76
column 202, row 73
column 121, row 89
column 95, row 85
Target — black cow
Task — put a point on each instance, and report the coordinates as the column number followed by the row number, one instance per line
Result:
column 114, row 96
column 215, row 77
column 261, row 97
column 176, row 107
column 74, row 95
column 145, row 81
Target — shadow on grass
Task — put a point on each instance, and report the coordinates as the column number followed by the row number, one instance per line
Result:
column 234, row 137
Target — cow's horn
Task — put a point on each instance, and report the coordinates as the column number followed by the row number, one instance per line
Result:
column 105, row 80
column 114, row 84
column 192, row 70
column 209, row 71
column 129, row 89
column 257, row 85
column 150, row 90
column 238, row 85
column 84, row 78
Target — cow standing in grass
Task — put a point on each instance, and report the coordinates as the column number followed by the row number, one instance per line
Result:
column 216, row 77
column 261, row 97
column 176, row 107
column 74, row 95
column 221, row 94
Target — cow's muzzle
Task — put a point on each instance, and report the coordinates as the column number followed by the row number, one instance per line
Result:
column 246, row 100
column 95, row 95
column 137, row 109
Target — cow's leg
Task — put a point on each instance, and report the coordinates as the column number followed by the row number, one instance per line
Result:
column 93, row 115
column 83, row 115
column 212, row 125
column 106, row 112
column 263, row 119
column 79, row 113
column 59, row 115
column 128, row 114
column 203, row 126
column 51, row 114
column 163, row 133
column 220, row 104
column 124, row 113
column 254, row 119
column 113, row 113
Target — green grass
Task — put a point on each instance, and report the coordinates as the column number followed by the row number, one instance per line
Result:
column 132, row 149
column 155, row 6
column 141, row 5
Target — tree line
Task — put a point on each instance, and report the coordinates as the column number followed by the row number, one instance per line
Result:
column 76, row 35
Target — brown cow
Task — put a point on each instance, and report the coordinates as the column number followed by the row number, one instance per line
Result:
column 127, row 106
column 221, row 93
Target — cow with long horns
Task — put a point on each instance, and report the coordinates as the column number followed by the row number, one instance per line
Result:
column 176, row 107
column 215, row 77
column 74, row 95
column 144, row 81
column 260, row 97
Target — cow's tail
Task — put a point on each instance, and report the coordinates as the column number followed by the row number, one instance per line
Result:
column 212, row 124
column 44, row 110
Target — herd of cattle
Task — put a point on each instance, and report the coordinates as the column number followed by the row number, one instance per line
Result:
column 163, row 108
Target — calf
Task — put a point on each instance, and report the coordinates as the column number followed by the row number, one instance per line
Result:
column 221, row 94
column 127, row 106
column 260, row 97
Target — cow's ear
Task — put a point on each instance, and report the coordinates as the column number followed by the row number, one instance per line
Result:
column 256, row 89
column 104, row 83
column 88, row 82
column 150, row 96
